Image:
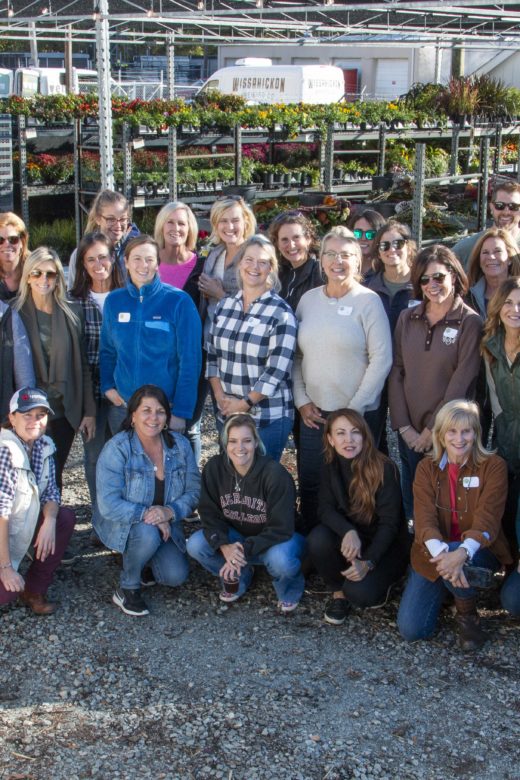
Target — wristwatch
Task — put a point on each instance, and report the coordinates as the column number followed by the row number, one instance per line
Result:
column 251, row 405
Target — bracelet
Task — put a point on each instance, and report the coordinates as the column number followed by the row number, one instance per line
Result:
column 404, row 429
column 248, row 401
column 6, row 565
column 468, row 554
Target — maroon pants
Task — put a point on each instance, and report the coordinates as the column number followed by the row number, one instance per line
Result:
column 39, row 575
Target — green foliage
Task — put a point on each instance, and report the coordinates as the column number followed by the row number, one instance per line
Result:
column 60, row 235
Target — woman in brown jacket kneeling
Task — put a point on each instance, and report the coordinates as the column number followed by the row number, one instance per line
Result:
column 459, row 497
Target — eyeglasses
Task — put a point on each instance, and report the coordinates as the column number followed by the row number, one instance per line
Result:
column 343, row 257
column 397, row 243
column 458, row 511
column 437, row 277
column 368, row 234
column 13, row 240
column 501, row 206
column 111, row 221
column 48, row 274
column 262, row 264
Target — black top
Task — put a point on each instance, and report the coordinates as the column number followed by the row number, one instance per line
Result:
column 297, row 281
column 158, row 496
column 388, row 522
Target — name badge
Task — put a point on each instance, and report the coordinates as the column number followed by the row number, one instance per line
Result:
column 449, row 336
column 124, row 316
column 469, row 482
column 344, row 311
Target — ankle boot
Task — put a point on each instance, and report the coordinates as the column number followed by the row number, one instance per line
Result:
column 471, row 636
column 37, row 603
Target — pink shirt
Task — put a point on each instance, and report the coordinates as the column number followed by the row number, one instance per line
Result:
column 177, row 275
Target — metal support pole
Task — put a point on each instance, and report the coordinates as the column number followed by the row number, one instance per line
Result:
column 106, row 147
column 438, row 63
column 498, row 148
column 33, row 44
column 454, row 159
column 69, row 70
column 127, row 161
column 238, row 154
column 382, row 150
column 328, row 160
column 22, row 147
column 484, row 183
column 418, row 193
column 77, row 179
column 172, row 131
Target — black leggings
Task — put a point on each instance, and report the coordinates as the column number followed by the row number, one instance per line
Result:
column 325, row 551
column 62, row 433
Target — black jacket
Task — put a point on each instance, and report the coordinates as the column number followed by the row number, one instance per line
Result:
column 260, row 505
column 388, row 524
column 297, row 281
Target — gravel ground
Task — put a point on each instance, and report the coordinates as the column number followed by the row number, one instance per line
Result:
column 199, row 690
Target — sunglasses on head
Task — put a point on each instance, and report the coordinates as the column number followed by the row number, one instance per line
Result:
column 437, row 277
column 13, row 240
column 397, row 243
column 368, row 234
column 36, row 274
column 501, row 206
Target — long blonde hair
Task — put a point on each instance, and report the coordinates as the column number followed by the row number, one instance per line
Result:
column 36, row 258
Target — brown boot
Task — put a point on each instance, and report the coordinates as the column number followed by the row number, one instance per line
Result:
column 471, row 636
column 37, row 602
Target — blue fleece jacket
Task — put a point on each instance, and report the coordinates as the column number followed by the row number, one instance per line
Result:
column 151, row 335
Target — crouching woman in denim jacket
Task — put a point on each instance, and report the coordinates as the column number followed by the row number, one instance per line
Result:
column 147, row 482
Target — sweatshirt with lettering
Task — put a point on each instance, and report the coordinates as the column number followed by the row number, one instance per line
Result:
column 259, row 505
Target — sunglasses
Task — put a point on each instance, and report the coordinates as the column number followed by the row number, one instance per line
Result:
column 437, row 277
column 368, row 234
column 13, row 240
column 397, row 243
column 48, row 274
column 501, row 206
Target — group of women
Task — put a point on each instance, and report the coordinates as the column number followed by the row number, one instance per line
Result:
column 340, row 333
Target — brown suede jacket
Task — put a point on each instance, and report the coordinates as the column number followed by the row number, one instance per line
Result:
column 481, row 497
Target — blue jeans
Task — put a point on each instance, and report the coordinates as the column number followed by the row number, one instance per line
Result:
column 422, row 599
column 274, row 436
column 282, row 561
column 145, row 546
column 510, row 594
column 409, row 462
column 91, row 449
column 116, row 415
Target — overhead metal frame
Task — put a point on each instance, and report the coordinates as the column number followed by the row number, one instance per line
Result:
column 468, row 22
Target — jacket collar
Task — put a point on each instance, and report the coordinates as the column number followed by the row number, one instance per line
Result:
column 455, row 315
column 147, row 290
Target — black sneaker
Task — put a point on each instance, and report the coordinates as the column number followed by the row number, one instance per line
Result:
column 130, row 602
column 336, row 611
column 147, row 577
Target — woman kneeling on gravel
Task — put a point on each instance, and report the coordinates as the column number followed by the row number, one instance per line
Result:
column 30, row 513
column 361, row 546
column 147, row 481
column 247, row 509
column 459, row 497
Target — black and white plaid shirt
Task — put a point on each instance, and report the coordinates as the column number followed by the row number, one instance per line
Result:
column 253, row 352
column 9, row 477
column 92, row 330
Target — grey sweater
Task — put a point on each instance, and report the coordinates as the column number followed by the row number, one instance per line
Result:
column 344, row 350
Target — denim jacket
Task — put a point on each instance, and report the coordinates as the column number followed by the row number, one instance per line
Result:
column 125, row 480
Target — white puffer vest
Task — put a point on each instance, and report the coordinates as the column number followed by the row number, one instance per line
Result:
column 26, row 505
